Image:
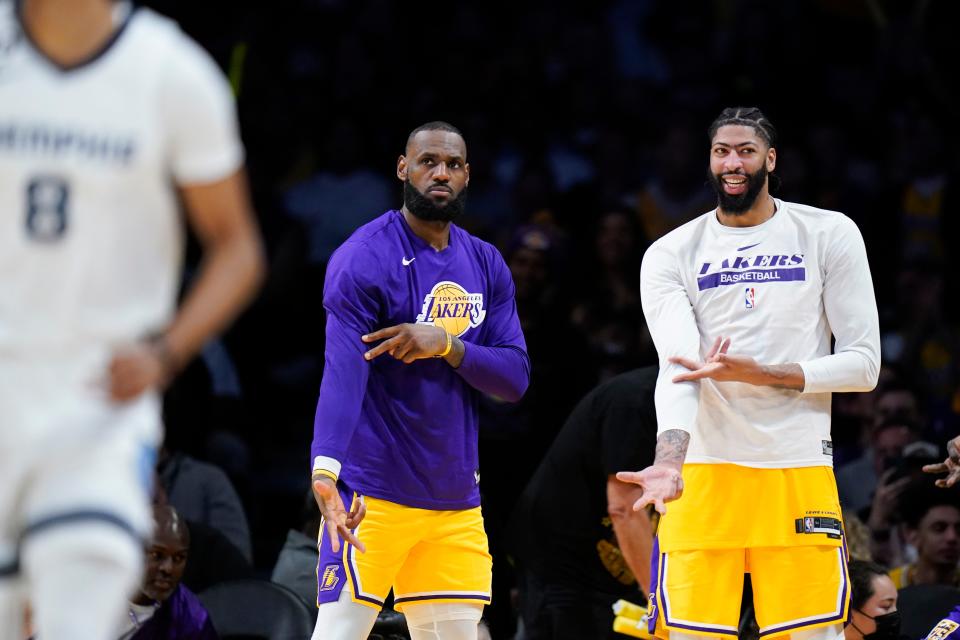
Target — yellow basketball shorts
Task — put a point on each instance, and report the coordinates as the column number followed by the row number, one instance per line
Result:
column 782, row 526
column 425, row 555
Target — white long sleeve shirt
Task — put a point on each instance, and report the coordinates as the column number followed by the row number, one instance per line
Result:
column 778, row 290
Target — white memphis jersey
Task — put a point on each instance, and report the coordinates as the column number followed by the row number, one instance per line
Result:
column 778, row 290
column 91, row 240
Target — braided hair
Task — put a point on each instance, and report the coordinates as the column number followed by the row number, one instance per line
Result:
column 747, row 117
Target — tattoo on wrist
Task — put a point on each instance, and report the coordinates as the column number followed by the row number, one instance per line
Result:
column 781, row 373
column 672, row 447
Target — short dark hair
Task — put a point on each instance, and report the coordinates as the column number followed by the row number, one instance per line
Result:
column 922, row 496
column 747, row 117
column 435, row 125
column 862, row 573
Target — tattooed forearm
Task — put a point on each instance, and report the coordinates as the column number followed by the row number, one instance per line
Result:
column 672, row 447
column 783, row 376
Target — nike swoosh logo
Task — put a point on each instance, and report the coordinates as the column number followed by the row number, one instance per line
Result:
column 749, row 246
column 406, row 262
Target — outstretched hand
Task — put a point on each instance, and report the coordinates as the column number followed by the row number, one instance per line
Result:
column 660, row 483
column 407, row 342
column 718, row 365
column 335, row 517
column 950, row 466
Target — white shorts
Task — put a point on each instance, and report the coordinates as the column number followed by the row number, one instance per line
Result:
column 68, row 453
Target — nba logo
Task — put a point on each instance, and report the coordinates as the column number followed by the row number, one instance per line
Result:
column 750, row 298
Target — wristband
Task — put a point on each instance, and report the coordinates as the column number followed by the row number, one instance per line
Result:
column 324, row 473
column 449, row 345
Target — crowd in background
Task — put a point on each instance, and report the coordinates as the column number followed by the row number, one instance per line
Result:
column 586, row 134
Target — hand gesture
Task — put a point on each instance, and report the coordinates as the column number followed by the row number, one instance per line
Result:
column 885, row 500
column 719, row 365
column 950, row 466
column 660, row 484
column 335, row 517
column 135, row 368
column 407, row 342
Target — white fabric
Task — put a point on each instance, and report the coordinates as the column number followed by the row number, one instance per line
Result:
column 445, row 630
column 778, row 290
column 443, row 620
column 79, row 580
column 135, row 617
column 344, row 619
column 95, row 148
column 64, row 447
column 326, row 463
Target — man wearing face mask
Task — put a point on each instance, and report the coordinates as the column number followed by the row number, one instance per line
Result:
column 421, row 320
column 873, row 604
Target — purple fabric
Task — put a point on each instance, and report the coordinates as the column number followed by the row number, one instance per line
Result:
column 408, row 433
column 181, row 617
column 943, row 628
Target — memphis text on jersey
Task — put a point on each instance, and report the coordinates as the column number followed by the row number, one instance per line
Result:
column 51, row 140
column 762, row 268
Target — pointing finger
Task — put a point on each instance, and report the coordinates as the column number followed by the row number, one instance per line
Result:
column 380, row 334
column 630, row 476
column 334, row 538
column 641, row 503
column 382, row 348
column 351, row 538
column 691, row 376
column 684, row 362
column 715, row 347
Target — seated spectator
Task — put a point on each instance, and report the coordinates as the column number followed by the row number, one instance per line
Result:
column 887, row 544
column 215, row 559
column 296, row 567
column 164, row 609
column 858, row 480
column 931, row 523
column 202, row 492
column 873, row 604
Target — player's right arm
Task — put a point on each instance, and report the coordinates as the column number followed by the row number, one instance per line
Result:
column 351, row 299
column 673, row 327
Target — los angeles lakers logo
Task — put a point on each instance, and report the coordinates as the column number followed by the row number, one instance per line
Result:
column 450, row 307
column 329, row 579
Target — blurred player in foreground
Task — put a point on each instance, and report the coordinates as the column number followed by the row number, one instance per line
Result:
column 108, row 115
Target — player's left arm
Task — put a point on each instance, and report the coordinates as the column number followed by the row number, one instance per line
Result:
column 499, row 367
column 851, row 311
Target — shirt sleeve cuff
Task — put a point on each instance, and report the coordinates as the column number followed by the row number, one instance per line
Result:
column 324, row 466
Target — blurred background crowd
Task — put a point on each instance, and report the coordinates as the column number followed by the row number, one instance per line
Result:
column 586, row 133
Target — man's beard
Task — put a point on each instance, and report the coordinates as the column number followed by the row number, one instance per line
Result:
column 425, row 209
column 739, row 204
